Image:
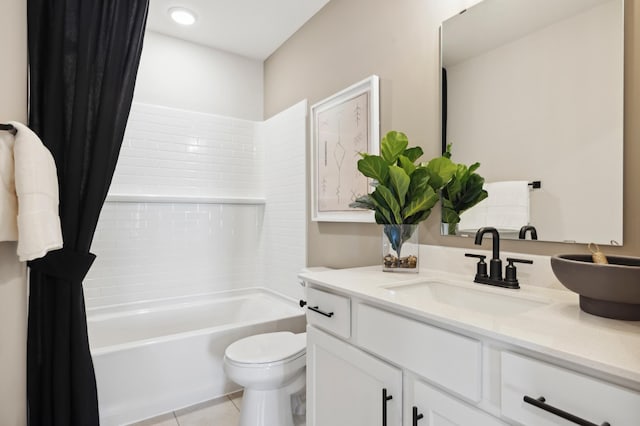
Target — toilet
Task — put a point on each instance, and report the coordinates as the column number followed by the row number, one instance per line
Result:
column 271, row 368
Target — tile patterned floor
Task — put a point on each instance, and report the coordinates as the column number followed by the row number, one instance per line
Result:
column 223, row 411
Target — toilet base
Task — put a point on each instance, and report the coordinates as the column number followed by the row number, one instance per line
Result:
column 271, row 407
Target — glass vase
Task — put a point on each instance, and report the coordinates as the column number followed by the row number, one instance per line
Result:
column 400, row 248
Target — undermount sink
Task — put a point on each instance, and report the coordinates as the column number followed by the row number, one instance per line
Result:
column 476, row 300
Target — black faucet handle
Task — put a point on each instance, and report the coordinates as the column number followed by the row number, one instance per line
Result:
column 478, row 256
column 510, row 271
column 513, row 260
column 481, row 267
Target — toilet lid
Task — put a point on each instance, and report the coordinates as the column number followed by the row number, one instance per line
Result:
column 267, row 348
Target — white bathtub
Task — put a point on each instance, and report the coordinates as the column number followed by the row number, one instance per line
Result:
column 158, row 356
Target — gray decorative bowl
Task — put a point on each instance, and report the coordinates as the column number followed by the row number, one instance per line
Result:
column 611, row 291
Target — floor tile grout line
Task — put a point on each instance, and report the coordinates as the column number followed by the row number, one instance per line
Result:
column 234, row 404
column 175, row 416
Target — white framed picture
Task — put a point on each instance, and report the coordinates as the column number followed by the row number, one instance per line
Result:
column 342, row 126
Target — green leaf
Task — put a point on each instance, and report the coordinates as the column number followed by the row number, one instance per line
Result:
column 441, row 170
column 463, row 191
column 363, row 202
column 447, row 153
column 382, row 209
column 380, row 219
column 413, row 153
column 374, row 167
column 418, row 217
column 473, row 167
column 424, row 201
column 392, row 145
column 419, row 182
column 407, row 165
column 449, row 215
column 391, row 201
column 399, row 182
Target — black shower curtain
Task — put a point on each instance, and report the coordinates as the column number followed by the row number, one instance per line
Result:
column 83, row 60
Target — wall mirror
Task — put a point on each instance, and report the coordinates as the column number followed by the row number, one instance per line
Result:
column 533, row 90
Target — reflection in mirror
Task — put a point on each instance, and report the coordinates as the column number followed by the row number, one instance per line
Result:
column 534, row 92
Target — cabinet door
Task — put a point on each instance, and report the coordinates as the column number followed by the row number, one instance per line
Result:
column 440, row 409
column 345, row 386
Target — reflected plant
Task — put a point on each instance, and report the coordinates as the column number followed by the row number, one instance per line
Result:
column 462, row 192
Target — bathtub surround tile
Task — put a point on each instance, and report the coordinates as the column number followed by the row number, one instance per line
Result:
column 157, row 250
column 284, row 242
column 168, row 151
column 150, row 250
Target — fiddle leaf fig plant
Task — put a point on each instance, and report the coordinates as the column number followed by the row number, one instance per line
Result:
column 462, row 192
column 404, row 192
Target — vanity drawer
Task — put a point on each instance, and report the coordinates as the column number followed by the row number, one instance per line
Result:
column 588, row 398
column 329, row 311
column 448, row 359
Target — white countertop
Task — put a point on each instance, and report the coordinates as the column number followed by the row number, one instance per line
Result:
column 557, row 328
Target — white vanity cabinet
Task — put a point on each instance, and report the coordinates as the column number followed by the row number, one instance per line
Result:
column 372, row 363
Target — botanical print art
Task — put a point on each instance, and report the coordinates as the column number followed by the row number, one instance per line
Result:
column 342, row 134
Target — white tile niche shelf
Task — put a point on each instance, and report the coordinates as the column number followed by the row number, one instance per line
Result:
column 191, row 199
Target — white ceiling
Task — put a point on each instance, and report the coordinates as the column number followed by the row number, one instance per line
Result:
column 252, row 28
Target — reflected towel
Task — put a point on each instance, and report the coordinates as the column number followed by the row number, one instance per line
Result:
column 473, row 219
column 508, row 205
column 506, row 208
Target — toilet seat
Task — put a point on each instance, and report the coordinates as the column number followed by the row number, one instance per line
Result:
column 270, row 348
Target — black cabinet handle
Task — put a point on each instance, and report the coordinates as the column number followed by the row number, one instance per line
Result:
column 302, row 303
column 315, row 309
column 385, row 398
column 541, row 403
column 416, row 416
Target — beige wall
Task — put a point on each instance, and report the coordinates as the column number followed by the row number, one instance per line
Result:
column 349, row 40
column 13, row 287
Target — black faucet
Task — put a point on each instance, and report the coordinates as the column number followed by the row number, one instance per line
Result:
column 523, row 232
column 495, row 264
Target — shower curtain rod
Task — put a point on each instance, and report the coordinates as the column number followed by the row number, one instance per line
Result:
column 9, row 128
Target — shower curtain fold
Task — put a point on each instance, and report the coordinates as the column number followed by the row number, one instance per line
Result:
column 83, row 61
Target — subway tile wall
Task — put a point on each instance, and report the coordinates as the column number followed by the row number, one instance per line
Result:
column 284, row 242
column 150, row 250
column 168, row 151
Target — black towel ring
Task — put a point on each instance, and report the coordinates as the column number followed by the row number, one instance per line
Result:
column 9, row 128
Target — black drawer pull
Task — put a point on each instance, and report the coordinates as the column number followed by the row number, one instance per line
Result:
column 541, row 403
column 385, row 398
column 302, row 303
column 315, row 309
column 416, row 416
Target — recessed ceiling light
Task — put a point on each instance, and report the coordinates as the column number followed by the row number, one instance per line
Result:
column 182, row 16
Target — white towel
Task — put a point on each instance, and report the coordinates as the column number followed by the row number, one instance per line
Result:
column 29, row 195
column 506, row 208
